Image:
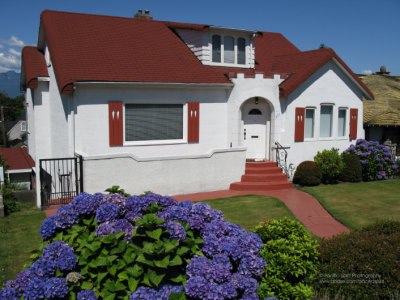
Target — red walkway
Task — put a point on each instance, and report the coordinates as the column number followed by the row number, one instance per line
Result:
column 305, row 208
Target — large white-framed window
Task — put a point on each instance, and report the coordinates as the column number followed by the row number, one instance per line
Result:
column 145, row 123
column 342, row 120
column 226, row 49
column 309, row 123
column 326, row 121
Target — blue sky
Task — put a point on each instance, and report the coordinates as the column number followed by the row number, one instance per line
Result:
column 364, row 33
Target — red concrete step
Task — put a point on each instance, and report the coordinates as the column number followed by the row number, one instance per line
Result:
column 263, row 171
column 260, row 186
column 264, row 177
column 261, row 164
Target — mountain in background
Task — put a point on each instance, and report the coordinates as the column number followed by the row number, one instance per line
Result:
column 9, row 82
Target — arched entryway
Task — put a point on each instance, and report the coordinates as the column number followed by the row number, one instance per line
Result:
column 256, row 128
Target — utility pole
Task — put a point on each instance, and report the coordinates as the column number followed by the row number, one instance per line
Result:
column 3, row 127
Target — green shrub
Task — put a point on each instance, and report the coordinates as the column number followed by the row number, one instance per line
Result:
column 292, row 258
column 308, row 174
column 331, row 165
column 362, row 265
column 9, row 200
column 352, row 170
column 383, row 227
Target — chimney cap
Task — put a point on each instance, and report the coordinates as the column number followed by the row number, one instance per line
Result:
column 383, row 71
column 145, row 15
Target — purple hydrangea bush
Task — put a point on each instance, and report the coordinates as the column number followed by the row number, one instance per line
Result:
column 141, row 247
column 376, row 160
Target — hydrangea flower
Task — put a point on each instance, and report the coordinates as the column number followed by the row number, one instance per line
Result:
column 61, row 254
column 176, row 231
column 86, row 295
column 35, row 289
column 116, row 199
column 10, row 294
column 107, row 212
column 166, row 290
column 73, row 277
column 143, row 293
column 85, row 203
column 116, row 226
column 43, row 268
column 55, row 288
column 23, row 279
column 65, row 217
column 48, row 227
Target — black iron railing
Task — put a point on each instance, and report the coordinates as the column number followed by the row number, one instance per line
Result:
column 281, row 160
column 60, row 180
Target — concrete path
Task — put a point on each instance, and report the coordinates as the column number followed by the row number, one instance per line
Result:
column 306, row 208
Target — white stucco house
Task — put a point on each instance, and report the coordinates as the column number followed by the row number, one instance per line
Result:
column 178, row 108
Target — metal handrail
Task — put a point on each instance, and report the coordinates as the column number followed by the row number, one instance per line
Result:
column 281, row 160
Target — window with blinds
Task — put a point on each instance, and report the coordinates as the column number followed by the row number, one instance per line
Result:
column 326, row 119
column 148, row 122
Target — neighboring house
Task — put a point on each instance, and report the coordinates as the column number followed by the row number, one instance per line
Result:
column 178, row 108
column 20, row 167
column 382, row 116
column 16, row 130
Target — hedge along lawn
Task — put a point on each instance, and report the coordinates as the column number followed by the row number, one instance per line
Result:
column 362, row 203
column 249, row 210
column 19, row 236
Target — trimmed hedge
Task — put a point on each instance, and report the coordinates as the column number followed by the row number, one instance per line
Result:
column 352, row 170
column 363, row 264
column 308, row 174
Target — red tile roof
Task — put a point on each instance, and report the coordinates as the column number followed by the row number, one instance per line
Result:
column 87, row 48
column 17, row 158
column 34, row 65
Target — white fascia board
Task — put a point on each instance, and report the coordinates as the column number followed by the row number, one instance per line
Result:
column 245, row 31
column 365, row 93
column 156, row 84
column 43, row 78
column 18, row 171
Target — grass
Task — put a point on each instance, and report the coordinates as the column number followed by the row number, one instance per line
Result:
column 19, row 236
column 359, row 204
column 249, row 210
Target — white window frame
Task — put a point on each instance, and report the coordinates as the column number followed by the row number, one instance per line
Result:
column 159, row 142
column 346, row 126
column 235, row 47
column 313, row 108
column 332, row 136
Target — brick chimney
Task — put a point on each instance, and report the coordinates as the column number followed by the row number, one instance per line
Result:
column 145, row 15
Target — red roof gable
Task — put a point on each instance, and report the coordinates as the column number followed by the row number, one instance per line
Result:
column 87, row 48
column 34, row 65
column 302, row 65
column 17, row 158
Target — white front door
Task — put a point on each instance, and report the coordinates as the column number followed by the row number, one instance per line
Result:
column 254, row 131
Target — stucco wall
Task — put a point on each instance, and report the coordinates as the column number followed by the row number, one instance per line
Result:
column 329, row 85
column 91, row 119
column 176, row 175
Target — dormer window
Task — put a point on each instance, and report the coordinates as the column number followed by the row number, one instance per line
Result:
column 228, row 49
column 241, row 53
column 216, row 48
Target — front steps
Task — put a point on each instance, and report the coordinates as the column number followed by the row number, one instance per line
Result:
column 262, row 176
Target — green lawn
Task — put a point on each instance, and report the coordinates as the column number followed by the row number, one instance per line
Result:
column 358, row 204
column 249, row 210
column 19, row 236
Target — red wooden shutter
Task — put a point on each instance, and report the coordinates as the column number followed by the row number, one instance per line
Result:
column 299, row 124
column 193, row 122
column 115, row 118
column 353, row 123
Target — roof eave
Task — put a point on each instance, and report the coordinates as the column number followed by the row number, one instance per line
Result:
column 367, row 94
